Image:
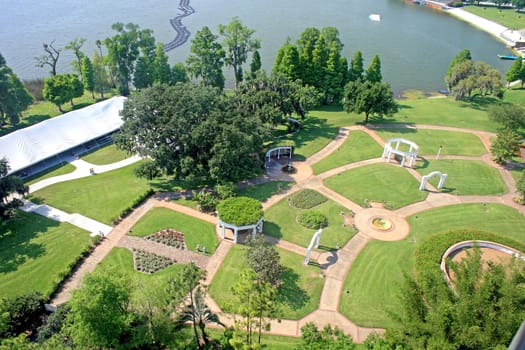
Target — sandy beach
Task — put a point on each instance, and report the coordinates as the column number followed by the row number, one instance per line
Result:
column 508, row 36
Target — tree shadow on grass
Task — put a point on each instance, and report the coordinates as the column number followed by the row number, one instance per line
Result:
column 290, row 294
column 15, row 240
column 272, row 229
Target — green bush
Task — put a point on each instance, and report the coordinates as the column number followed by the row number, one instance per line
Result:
column 240, row 211
column 312, row 219
column 307, row 199
column 207, row 201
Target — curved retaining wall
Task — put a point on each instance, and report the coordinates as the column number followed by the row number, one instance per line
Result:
column 456, row 248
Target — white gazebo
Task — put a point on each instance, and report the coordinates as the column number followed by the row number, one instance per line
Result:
column 392, row 148
column 285, row 151
column 256, row 228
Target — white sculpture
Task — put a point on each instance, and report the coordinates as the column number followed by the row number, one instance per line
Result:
column 424, row 180
column 314, row 243
column 389, row 149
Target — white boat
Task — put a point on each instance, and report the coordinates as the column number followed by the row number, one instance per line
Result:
column 375, row 17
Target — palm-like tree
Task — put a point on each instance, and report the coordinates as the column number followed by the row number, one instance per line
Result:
column 200, row 315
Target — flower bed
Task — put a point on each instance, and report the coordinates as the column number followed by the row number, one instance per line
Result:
column 150, row 263
column 169, row 237
column 306, row 199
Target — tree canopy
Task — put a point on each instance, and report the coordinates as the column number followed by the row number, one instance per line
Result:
column 14, row 97
column 206, row 58
column 193, row 132
column 62, row 88
column 9, row 184
column 369, row 98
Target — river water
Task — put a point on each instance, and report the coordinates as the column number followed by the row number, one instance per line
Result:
column 415, row 43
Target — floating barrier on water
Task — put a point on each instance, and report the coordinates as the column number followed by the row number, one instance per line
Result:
column 183, row 34
column 375, row 17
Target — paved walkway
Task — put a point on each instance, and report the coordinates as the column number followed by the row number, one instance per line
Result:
column 334, row 264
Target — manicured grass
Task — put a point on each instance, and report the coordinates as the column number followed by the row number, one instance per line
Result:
column 62, row 169
column 281, row 223
column 358, row 146
column 105, row 155
column 373, row 280
column 429, row 141
column 195, row 231
column 300, row 288
column 386, row 183
column 263, row 191
column 466, row 177
column 314, row 135
column 101, row 197
column 43, row 110
column 515, row 95
column 447, row 112
column 506, row 17
column 36, row 253
column 121, row 260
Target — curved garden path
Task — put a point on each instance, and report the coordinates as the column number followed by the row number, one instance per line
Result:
column 335, row 264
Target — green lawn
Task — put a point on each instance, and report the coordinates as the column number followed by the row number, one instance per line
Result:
column 506, row 17
column 195, row 231
column 386, row 183
column 280, row 222
column 263, row 191
column 36, row 253
column 466, row 177
column 515, row 95
column 314, row 135
column 300, row 288
column 374, row 277
column 358, row 146
column 447, row 112
column 429, row 141
column 62, row 169
column 121, row 260
column 105, row 155
column 101, row 197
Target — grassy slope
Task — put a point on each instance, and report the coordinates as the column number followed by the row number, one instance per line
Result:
column 299, row 292
column 105, row 155
column 101, row 197
column 506, row 17
column 35, row 252
column 466, row 177
column 358, row 146
column 281, row 223
column 429, row 141
column 374, row 277
column 377, row 182
column 195, row 231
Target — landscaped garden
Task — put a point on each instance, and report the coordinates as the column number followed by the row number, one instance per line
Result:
column 281, row 221
column 102, row 197
column 376, row 275
column 37, row 253
column 465, row 177
column 429, row 141
column 388, row 183
column 196, row 232
column 298, row 293
column 358, row 146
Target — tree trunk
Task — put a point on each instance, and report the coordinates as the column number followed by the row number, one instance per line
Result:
column 60, row 108
column 366, row 118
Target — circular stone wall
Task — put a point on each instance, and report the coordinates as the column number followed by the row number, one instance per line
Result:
column 491, row 251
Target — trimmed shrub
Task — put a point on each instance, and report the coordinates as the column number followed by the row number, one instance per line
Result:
column 207, row 201
column 312, row 219
column 306, row 199
column 240, row 211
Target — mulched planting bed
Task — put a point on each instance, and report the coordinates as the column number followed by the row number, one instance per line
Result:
column 169, row 237
column 150, row 263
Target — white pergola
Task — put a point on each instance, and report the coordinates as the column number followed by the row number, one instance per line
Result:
column 392, row 147
column 280, row 151
column 256, row 228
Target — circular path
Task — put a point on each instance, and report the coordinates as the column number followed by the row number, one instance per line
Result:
column 336, row 264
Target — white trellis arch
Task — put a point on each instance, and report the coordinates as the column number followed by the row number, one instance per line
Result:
column 392, row 147
column 258, row 227
column 280, row 151
column 424, row 180
column 314, row 243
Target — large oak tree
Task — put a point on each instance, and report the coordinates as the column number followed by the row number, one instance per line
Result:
column 192, row 131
